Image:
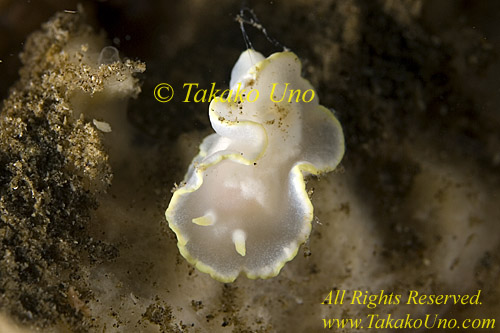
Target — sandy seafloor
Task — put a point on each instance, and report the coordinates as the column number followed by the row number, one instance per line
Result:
column 413, row 206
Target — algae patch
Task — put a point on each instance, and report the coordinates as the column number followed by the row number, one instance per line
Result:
column 53, row 166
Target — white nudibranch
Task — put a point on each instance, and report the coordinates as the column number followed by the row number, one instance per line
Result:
column 244, row 205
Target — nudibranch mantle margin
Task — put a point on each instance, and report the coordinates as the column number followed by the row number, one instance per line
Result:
column 243, row 206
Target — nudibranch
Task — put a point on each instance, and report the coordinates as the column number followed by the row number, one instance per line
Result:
column 243, row 205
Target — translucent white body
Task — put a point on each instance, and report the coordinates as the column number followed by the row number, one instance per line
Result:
column 244, row 206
